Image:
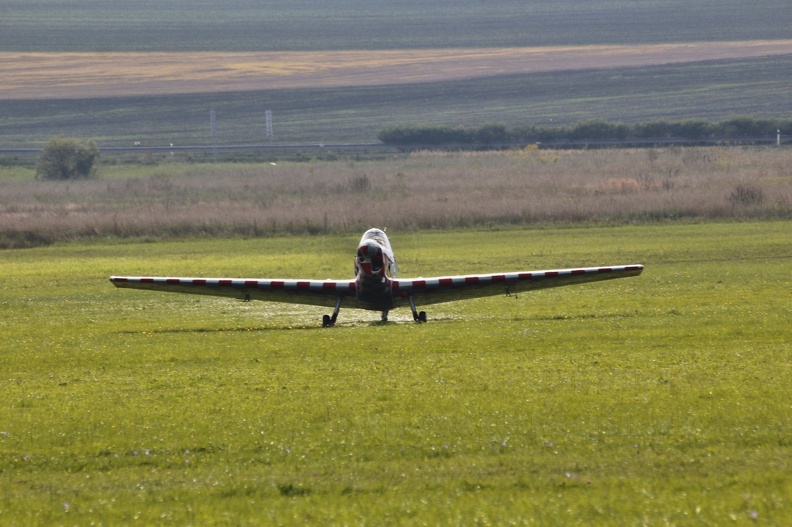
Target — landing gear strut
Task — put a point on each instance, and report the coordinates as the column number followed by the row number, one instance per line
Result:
column 329, row 321
column 418, row 317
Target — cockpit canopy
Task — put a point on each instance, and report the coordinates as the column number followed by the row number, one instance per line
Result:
column 377, row 236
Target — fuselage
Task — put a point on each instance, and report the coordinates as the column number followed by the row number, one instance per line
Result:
column 375, row 267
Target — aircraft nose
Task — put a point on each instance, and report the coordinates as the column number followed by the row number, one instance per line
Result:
column 370, row 259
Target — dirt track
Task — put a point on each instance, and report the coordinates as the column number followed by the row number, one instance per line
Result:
column 85, row 75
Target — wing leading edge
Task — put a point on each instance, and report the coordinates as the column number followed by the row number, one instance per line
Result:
column 436, row 290
column 310, row 292
column 425, row 291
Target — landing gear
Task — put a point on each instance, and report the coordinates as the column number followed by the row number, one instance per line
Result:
column 418, row 317
column 384, row 316
column 328, row 320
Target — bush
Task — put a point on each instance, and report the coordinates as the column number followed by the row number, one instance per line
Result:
column 598, row 130
column 653, row 130
column 414, row 135
column 491, row 133
column 746, row 127
column 746, row 195
column 65, row 158
column 692, row 129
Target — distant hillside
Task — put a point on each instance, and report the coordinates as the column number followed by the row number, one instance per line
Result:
column 94, row 75
column 295, row 25
column 714, row 90
column 138, row 106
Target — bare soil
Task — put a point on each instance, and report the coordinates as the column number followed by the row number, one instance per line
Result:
column 87, row 75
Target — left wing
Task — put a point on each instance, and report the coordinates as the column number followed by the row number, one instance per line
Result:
column 448, row 288
column 310, row 292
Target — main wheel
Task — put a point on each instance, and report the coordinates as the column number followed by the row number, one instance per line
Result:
column 326, row 321
column 422, row 316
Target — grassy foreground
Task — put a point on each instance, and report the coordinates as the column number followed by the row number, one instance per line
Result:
column 659, row 400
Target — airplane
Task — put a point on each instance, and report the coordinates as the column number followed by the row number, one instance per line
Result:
column 376, row 286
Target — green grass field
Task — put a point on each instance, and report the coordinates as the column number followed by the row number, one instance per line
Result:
column 657, row 400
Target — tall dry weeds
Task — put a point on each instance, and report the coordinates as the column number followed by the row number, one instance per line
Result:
column 426, row 190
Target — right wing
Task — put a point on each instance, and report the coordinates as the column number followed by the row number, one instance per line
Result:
column 309, row 292
column 449, row 288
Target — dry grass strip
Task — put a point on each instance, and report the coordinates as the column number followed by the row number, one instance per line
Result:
column 85, row 75
column 425, row 190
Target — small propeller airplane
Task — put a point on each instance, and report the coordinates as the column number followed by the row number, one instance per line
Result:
column 376, row 286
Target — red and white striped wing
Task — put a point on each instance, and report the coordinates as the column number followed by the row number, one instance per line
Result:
column 449, row 288
column 310, row 292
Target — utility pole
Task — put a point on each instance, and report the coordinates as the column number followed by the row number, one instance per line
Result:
column 213, row 127
column 268, row 116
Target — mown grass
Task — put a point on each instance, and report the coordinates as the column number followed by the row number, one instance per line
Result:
column 658, row 400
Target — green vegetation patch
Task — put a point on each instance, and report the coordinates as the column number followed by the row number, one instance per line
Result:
column 662, row 399
column 738, row 128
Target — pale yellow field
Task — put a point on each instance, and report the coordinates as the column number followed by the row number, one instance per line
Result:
column 83, row 75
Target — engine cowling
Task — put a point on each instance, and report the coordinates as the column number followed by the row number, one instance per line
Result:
column 370, row 260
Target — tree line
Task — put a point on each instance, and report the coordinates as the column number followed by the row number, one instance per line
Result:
column 591, row 130
column 68, row 158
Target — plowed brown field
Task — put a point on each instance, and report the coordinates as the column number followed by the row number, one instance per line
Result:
column 85, row 75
